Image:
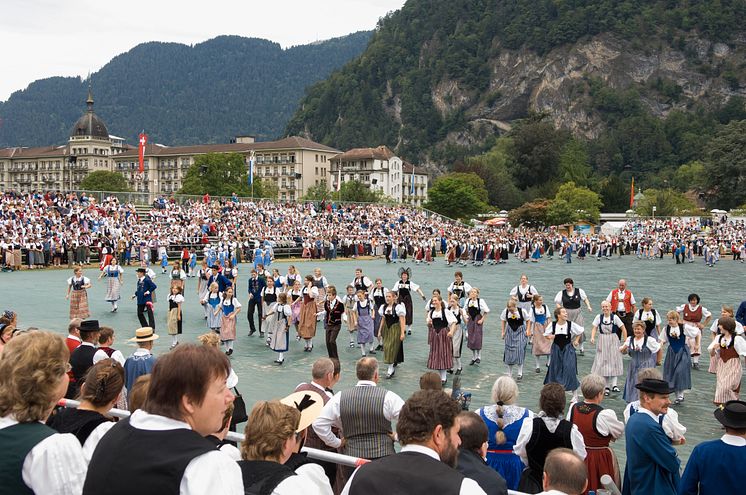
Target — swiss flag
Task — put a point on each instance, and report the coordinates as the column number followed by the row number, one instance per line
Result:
column 143, row 142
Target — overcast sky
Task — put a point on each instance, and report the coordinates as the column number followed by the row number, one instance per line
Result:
column 44, row 38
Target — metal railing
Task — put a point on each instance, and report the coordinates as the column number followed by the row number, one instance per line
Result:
column 323, row 455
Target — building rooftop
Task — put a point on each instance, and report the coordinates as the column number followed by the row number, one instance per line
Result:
column 379, row 153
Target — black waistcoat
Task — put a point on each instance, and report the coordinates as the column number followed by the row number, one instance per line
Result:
column 409, row 473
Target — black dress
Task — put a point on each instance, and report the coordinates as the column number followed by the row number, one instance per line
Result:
column 80, row 423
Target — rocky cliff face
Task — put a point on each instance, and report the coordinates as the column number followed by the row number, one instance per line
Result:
column 558, row 83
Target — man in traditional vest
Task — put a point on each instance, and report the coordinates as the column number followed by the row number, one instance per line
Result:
column 428, row 432
column 81, row 359
column 623, row 303
column 324, row 375
column 364, row 413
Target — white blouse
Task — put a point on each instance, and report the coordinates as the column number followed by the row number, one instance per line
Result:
column 739, row 345
column 479, row 302
column 400, row 310
column 575, row 329
column 633, row 343
column 435, row 314
column 514, row 314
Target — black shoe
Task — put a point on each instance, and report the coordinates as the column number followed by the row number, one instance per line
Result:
column 379, row 347
column 390, row 376
column 479, row 360
column 443, row 383
column 261, row 334
column 473, row 361
column 409, row 332
column 607, row 392
column 458, row 371
column 230, row 351
column 450, row 372
column 252, row 332
column 372, row 353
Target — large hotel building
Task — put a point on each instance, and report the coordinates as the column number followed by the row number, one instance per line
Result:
column 293, row 163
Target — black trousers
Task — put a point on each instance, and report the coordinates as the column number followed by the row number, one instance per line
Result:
column 142, row 309
column 254, row 306
column 332, row 331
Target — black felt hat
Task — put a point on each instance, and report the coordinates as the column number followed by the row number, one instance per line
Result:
column 141, row 270
column 732, row 414
column 89, row 326
column 655, row 386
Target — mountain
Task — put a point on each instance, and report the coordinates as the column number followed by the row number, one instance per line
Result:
column 441, row 78
column 181, row 94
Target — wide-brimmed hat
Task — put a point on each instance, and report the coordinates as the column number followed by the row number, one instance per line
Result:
column 89, row 326
column 732, row 414
column 144, row 334
column 308, row 403
column 655, row 386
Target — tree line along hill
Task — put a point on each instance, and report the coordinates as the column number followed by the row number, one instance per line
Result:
column 530, row 94
column 180, row 94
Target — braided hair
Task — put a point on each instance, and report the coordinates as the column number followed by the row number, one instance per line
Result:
column 103, row 383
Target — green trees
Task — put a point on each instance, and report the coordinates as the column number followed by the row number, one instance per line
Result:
column 102, row 180
column 571, row 204
column 222, row 174
column 357, row 192
column 725, row 166
column 457, row 195
column 667, row 203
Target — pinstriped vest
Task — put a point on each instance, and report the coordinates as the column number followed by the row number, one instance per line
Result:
column 365, row 427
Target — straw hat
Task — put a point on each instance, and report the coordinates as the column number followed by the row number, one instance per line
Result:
column 144, row 334
column 308, row 403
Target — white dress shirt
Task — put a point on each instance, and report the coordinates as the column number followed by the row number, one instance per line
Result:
column 671, row 426
column 527, row 429
column 212, row 472
column 468, row 485
column 331, row 415
column 622, row 294
column 55, row 466
column 116, row 356
column 606, row 423
column 310, row 479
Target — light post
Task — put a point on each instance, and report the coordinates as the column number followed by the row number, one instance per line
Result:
column 654, row 209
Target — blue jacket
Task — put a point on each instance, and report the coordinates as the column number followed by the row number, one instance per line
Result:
column 143, row 286
column 741, row 313
column 652, row 464
column 256, row 287
column 713, row 468
column 222, row 280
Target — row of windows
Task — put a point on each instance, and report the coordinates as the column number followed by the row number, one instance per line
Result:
column 269, row 171
column 84, row 151
column 276, row 158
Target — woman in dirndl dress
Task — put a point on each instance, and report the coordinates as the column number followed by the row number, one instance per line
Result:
column 524, row 292
column 429, row 307
column 476, row 312
column 513, row 331
column 212, row 303
column 307, row 322
column 504, row 420
column 677, row 368
column 571, row 299
column 178, row 276
column 175, row 317
column 608, row 361
column 230, row 306
column 203, row 288
column 652, row 319
column 378, row 299
column 269, row 297
column 277, row 320
column 458, row 336
column 365, row 323
column 444, row 325
column 725, row 312
column 642, row 349
column 391, row 332
column 403, row 289
column 321, row 283
column 295, row 300
column 563, row 363
column 538, row 317
column 113, row 273
column 78, row 295
column 731, row 349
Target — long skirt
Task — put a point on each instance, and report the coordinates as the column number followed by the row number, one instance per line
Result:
column 576, row 316
column 677, row 369
column 295, row 309
column 174, row 323
column 441, row 351
column 79, row 304
column 542, row 346
column 515, row 345
column 600, row 461
column 458, row 341
column 474, row 335
column 364, row 328
column 393, row 347
column 227, row 328
column 278, row 333
column 320, row 301
column 728, row 384
column 376, row 322
column 113, row 289
column 640, row 359
column 430, row 331
column 563, row 367
column 213, row 320
column 714, row 360
column 608, row 360
column 17, row 258
column 407, row 302
column 307, row 321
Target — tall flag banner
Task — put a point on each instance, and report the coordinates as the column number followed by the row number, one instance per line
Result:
column 411, row 189
column 339, row 179
column 632, row 194
column 251, row 168
column 141, row 151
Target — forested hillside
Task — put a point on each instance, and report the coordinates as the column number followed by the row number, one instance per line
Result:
column 618, row 88
column 181, row 94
